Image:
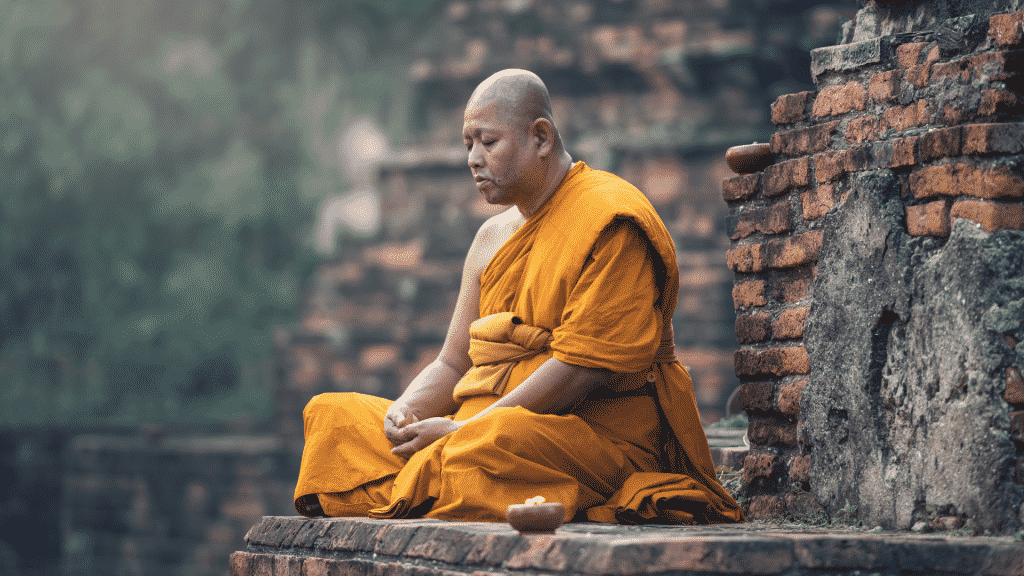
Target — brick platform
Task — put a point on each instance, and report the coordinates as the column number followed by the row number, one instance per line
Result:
column 295, row 546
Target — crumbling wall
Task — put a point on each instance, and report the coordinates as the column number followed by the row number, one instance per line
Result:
column 895, row 203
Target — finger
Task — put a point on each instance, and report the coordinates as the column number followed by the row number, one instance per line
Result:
column 407, row 449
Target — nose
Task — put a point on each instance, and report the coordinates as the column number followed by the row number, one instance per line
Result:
column 475, row 157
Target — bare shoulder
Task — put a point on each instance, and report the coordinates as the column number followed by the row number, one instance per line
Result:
column 493, row 233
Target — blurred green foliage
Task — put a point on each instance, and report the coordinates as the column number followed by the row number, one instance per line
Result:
column 160, row 165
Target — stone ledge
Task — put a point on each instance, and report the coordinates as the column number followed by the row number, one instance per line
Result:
column 296, row 546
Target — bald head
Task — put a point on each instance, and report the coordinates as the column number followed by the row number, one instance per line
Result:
column 519, row 94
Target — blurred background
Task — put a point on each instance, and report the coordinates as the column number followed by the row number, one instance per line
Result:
column 212, row 210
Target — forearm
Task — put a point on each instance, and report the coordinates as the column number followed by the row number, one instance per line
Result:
column 552, row 388
column 430, row 392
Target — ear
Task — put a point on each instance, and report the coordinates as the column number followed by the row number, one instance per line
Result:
column 544, row 131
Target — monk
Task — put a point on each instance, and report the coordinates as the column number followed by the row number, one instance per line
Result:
column 557, row 376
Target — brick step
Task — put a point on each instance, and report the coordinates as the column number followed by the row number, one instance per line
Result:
column 295, row 546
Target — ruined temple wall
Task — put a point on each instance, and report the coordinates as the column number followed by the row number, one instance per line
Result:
column 879, row 279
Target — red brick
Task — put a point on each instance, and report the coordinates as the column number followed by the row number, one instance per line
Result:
column 771, row 432
column 263, row 565
column 817, row 201
column 749, row 293
column 991, row 183
column 1006, row 29
column 791, row 290
column 790, row 323
column 789, row 398
column 941, row 143
column 828, row 165
column 996, row 138
column 773, row 361
column 784, row 176
column 931, row 219
column 992, row 216
column 318, row 567
column 766, row 508
column 751, row 328
column 863, row 129
column 919, row 75
column 907, row 55
column 746, row 258
column 758, row 396
column 800, row 467
column 885, row 86
column 773, row 219
column 859, row 157
column 240, row 564
column 952, row 114
column 836, row 100
column 790, row 108
column 764, row 466
column 803, row 141
column 993, row 101
column 1014, row 393
column 742, row 187
column 904, row 152
column 961, row 70
column 1017, row 426
column 934, row 181
column 795, row 251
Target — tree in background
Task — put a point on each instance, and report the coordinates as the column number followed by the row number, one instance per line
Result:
column 160, row 166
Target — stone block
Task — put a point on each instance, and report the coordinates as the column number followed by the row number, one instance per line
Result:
column 742, row 187
column 748, row 294
column 931, row 219
column 746, row 258
column 884, row 86
column 851, row 56
column 781, row 177
column 838, row 100
column 752, row 328
column 758, row 396
column 829, row 165
column 804, row 141
column 790, row 323
column 817, row 201
column 790, row 108
column 795, row 251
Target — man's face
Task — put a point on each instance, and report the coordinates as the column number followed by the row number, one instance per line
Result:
column 498, row 153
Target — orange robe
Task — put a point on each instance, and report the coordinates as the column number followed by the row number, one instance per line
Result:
column 590, row 279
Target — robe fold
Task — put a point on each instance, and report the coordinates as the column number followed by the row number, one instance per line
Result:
column 589, row 279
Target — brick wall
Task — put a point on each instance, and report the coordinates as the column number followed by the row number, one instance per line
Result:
column 936, row 112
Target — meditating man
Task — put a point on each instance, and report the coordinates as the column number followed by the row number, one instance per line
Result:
column 557, row 376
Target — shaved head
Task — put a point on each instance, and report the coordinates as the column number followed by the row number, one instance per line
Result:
column 519, row 94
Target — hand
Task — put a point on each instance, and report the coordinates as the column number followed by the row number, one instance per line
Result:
column 421, row 434
column 396, row 419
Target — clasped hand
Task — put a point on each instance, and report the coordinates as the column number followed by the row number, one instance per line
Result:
column 408, row 434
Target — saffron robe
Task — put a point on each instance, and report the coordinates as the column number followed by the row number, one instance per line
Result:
column 590, row 279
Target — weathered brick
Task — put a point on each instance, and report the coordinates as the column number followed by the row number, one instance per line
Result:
column 790, row 108
column 758, row 396
column 992, row 216
column 773, row 361
column 766, row 507
column 931, row 219
column 793, row 288
column 934, row 181
column 761, row 466
column 859, row 157
column 993, row 101
column 790, row 323
column 742, row 187
column 836, row 100
column 771, row 432
column 262, row 565
column 1014, row 393
column 773, row 219
column 240, row 564
column 795, row 251
column 991, row 183
column 828, row 165
column 751, row 328
column 863, row 129
column 904, row 152
column 800, row 467
column 941, row 143
column 746, row 258
column 749, row 293
column 784, row 176
column 960, row 70
column 994, row 138
column 901, row 118
column 789, row 398
column 907, row 55
column 952, row 114
column 1017, row 426
column 885, row 86
column 803, row 141
column 817, row 201
column 318, row 567
column 1006, row 29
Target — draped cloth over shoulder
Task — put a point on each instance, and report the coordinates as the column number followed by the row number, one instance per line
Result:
column 589, row 279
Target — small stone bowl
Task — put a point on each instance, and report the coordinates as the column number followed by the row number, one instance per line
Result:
column 749, row 158
column 544, row 517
